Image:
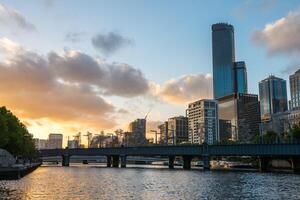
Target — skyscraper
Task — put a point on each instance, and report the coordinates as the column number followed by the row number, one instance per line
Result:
column 240, row 77
column 203, row 121
column 223, row 51
column 273, row 96
column 295, row 90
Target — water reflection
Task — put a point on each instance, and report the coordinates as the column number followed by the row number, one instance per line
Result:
column 82, row 182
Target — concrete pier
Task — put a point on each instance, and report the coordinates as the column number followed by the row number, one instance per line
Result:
column 187, row 162
column 206, row 162
column 65, row 160
column 115, row 161
column 171, row 162
column 108, row 161
column 123, row 161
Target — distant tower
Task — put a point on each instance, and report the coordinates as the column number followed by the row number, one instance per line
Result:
column 273, row 96
column 223, row 53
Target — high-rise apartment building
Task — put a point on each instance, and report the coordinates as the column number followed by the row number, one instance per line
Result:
column 295, row 90
column 203, row 121
column 223, row 53
column 273, row 96
column 55, row 141
column 177, row 130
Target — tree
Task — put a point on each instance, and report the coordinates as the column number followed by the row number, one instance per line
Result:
column 294, row 133
column 269, row 137
column 14, row 137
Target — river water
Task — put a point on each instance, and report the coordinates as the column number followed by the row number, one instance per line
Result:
column 86, row 182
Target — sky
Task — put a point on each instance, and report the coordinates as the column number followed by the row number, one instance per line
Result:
column 76, row 66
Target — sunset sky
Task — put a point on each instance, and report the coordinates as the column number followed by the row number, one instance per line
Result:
column 69, row 66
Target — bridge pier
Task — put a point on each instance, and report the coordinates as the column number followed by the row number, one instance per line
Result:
column 263, row 163
column 296, row 164
column 171, row 162
column 187, row 162
column 115, row 161
column 206, row 162
column 123, row 161
column 108, row 161
column 65, row 160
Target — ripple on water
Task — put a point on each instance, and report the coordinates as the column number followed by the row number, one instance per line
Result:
column 108, row 183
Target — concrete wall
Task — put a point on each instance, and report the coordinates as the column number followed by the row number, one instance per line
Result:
column 6, row 159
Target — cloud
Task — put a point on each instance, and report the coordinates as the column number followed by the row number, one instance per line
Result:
column 10, row 16
column 9, row 47
column 108, row 43
column 109, row 78
column 65, row 88
column 74, row 37
column 185, row 89
column 282, row 36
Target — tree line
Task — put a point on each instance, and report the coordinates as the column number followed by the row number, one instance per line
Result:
column 14, row 136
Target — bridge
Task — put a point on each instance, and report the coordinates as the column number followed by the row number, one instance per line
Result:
column 117, row 156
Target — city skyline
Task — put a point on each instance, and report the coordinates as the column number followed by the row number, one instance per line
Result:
column 103, row 77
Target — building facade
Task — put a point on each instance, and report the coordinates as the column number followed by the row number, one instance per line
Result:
column 203, row 121
column 295, row 90
column 223, row 53
column 138, row 130
column 163, row 129
column 273, row 96
column 241, row 112
column 177, row 130
column 55, row 141
column 240, row 75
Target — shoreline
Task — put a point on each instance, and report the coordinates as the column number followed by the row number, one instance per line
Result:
column 17, row 171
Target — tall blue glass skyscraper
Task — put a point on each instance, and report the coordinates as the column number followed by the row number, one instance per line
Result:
column 273, row 96
column 223, row 59
column 240, row 74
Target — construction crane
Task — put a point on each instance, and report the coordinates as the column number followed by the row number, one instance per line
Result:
column 148, row 113
column 89, row 136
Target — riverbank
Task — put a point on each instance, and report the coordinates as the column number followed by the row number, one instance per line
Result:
column 17, row 171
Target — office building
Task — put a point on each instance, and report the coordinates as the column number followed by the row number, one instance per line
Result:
column 138, row 130
column 242, row 113
column 273, row 96
column 295, row 90
column 224, row 130
column 177, row 130
column 240, row 77
column 203, row 121
column 163, row 129
column 55, row 141
column 278, row 122
column 223, row 53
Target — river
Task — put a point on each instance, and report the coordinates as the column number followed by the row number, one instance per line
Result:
column 88, row 182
